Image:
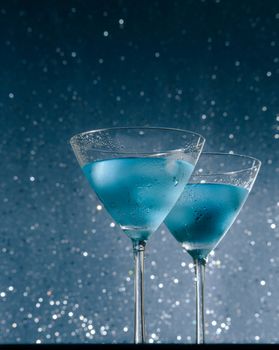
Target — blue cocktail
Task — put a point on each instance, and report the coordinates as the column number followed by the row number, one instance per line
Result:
column 203, row 215
column 138, row 174
column 207, row 208
column 138, row 192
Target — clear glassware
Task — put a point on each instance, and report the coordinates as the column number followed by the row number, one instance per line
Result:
column 208, row 206
column 138, row 174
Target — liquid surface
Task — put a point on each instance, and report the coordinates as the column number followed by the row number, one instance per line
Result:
column 138, row 192
column 203, row 214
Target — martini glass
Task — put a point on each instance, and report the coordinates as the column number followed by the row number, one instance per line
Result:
column 208, row 206
column 138, row 174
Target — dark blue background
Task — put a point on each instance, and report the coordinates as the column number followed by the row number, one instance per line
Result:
column 208, row 66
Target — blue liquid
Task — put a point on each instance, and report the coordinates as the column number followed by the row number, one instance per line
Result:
column 138, row 192
column 203, row 214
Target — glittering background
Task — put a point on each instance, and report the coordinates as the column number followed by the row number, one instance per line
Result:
column 69, row 66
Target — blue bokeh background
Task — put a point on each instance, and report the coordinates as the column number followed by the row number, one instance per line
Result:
column 210, row 66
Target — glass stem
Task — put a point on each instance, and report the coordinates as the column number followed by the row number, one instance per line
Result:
column 139, row 325
column 199, row 274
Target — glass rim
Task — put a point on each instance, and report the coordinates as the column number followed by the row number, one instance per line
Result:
column 256, row 164
column 201, row 139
